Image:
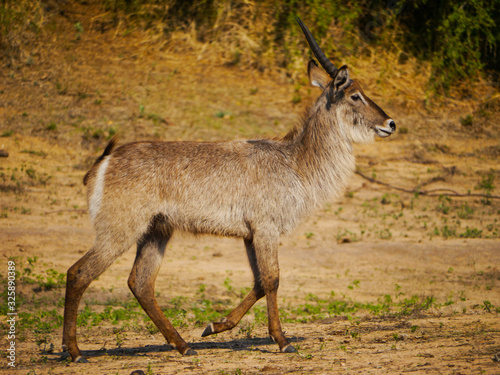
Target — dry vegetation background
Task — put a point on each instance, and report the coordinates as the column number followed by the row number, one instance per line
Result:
column 396, row 277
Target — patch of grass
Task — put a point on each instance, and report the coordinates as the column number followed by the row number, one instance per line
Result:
column 112, row 314
column 31, row 172
column 346, row 236
column 415, row 304
column 316, row 308
column 354, row 284
column 486, row 185
column 488, row 307
column 386, row 199
column 296, row 98
column 79, row 30
column 309, row 235
column 46, row 280
column 33, row 152
column 41, row 322
column 51, row 126
column 471, row 233
column 445, row 231
column 465, row 212
column 467, row 120
column 385, row 234
column 7, row 133
column 443, row 205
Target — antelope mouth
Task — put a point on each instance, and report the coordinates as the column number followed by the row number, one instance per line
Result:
column 383, row 132
column 387, row 130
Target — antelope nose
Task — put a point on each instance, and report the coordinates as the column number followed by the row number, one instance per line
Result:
column 392, row 124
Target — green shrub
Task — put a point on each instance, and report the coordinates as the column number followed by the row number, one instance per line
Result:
column 459, row 39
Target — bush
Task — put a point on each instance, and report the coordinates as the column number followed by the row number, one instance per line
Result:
column 459, row 38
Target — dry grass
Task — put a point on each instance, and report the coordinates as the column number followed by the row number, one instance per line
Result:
column 59, row 112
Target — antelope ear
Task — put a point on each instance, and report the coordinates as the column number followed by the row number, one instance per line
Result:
column 317, row 76
column 341, row 80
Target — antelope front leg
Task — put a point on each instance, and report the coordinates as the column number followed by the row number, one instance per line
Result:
column 266, row 252
column 234, row 316
column 257, row 293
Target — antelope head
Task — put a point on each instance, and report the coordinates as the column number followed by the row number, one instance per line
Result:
column 359, row 118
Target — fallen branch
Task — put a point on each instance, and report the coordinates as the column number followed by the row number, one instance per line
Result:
column 429, row 193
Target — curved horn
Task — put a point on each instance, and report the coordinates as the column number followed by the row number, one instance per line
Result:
column 320, row 55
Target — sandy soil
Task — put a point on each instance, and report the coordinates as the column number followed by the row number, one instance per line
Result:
column 55, row 117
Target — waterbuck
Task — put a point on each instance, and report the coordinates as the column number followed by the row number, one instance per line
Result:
column 257, row 190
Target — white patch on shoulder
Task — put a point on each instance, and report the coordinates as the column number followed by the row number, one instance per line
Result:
column 96, row 197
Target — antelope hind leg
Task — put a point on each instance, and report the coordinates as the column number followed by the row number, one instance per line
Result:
column 79, row 277
column 150, row 251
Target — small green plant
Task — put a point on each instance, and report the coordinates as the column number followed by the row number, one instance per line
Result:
column 296, row 98
column 346, row 236
column 467, row 120
column 246, row 330
column 443, row 205
column 7, row 133
column 227, row 285
column 151, row 328
column 486, row 185
column 120, row 337
column 487, row 306
column 79, row 30
column 471, row 233
column 385, row 234
column 445, row 231
column 386, row 199
column 354, row 284
column 31, row 173
column 51, row 126
column 465, row 212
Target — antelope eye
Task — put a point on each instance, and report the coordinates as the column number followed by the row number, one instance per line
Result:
column 355, row 97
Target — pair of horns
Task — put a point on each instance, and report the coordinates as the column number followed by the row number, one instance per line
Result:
column 320, row 55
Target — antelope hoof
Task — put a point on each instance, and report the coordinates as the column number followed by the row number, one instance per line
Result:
column 190, row 352
column 289, row 349
column 208, row 331
column 81, row 359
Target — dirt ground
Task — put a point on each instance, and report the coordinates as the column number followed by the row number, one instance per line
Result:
column 374, row 244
